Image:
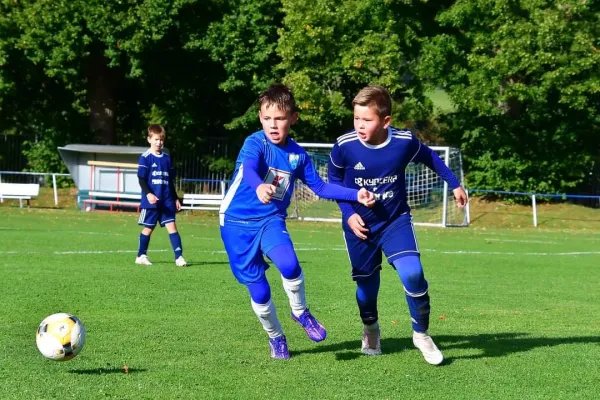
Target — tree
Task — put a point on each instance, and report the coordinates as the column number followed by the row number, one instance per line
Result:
column 524, row 78
column 330, row 49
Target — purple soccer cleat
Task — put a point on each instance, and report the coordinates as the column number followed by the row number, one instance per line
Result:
column 279, row 348
column 313, row 328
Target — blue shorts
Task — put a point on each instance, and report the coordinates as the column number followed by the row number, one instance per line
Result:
column 150, row 216
column 396, row 241
column 246, row 244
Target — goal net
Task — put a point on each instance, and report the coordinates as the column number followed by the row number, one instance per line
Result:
column 429, row 198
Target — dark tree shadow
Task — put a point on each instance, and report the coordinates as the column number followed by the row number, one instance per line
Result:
column 485, row 345
column 107, row 370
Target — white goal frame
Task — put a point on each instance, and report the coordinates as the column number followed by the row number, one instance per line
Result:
column 448, row 154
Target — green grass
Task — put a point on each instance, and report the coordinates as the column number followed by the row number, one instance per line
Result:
column 441, row 101
column 515, row 311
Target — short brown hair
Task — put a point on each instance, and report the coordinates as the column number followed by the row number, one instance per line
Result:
column 280, row 95
column 156, row 129
column 375, row 96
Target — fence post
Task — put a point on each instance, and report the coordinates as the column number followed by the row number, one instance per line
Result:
column 55, row 191
column 467, row 209
column 534, row 210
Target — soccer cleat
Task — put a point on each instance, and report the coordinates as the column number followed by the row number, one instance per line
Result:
column 180, row 262
column 279, row 348
column 371, row 344
column 431, row 353
column 313, row 328
column 142, row 260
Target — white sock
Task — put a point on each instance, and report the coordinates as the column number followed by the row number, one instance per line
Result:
column 295, row 291
column 372, row 327
column 268, row 318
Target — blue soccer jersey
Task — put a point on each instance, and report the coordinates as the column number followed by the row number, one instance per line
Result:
column 157, row 171
column 381, row 170
column 279, row 166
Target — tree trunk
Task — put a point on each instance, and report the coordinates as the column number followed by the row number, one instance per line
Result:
column 101, row 97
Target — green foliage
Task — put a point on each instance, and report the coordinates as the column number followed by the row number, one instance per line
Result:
column 42, row 156
column 524, row 79
column 219, row 165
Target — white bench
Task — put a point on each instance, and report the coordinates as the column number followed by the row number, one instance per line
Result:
column 19, row 191
column 202, row 201
column 112, row 199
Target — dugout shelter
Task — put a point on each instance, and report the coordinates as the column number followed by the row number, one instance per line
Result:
column 105, row 175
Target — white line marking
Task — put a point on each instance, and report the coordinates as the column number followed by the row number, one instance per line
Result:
column 459, row 252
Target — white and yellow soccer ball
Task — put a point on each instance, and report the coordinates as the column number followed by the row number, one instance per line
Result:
column 60, row 337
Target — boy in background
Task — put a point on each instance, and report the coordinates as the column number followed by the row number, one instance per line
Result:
column 252, row 215
column 159, row 199
column 375, row 156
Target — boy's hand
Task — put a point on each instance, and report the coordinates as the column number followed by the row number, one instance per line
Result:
column 264, row 192
column 357, row 225
column 177, row 205
column 366, row 198
column 152, row 199
column 461, row 197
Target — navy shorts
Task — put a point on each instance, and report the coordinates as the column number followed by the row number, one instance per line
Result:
column 246, row 244
column 396, row 241
column 150, row 216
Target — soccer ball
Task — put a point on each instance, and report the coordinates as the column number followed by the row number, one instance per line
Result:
column 60, row 337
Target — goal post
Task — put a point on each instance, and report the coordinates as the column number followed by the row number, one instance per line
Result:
column 431, row 202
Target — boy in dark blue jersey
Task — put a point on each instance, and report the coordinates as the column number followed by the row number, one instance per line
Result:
column 252, row 215
column 159, row 199
column 374, row 156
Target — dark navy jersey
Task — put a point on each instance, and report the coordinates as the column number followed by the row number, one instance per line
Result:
column 158, row 172
column 381, row 170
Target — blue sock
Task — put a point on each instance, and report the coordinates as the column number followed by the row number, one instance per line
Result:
column 143, row 244
column 176, row 244
column 410, row 271
column 367, row 290
column 260, row 291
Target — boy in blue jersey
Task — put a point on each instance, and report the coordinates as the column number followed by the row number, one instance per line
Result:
column 252, row 215
column 374, row 156
column 159, row 199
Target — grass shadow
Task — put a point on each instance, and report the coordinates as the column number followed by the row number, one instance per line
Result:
column 485, row 345
column 107, row 370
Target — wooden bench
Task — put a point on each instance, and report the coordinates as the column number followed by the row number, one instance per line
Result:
column 202, row 201
column 112, row 199
column 19, row 191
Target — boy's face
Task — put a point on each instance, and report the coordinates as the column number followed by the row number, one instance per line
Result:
column 156, row 142
column 276, row 122
column 369, row 126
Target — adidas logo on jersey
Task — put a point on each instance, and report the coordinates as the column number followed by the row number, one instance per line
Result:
column 154, row 165
column 359, row 166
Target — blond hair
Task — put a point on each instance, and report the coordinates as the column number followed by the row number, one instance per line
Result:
column 377, row 97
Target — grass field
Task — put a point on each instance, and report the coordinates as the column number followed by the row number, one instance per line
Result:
column 515, row 311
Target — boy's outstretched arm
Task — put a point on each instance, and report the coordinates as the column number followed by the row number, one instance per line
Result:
column 335, row 192
column 430, row 158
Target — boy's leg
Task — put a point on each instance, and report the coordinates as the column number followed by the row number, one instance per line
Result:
column 148, row 218
column 277, row 245
column 365, row 258
column 410, row 271
column 242, row 245
column 168, row 221
column 367, row 292
column 400, row 245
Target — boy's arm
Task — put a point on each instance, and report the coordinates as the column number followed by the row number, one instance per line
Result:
column 430, row 158
column 426, row 156
column 335, row 175
column 142, row 174
column 331, row 191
